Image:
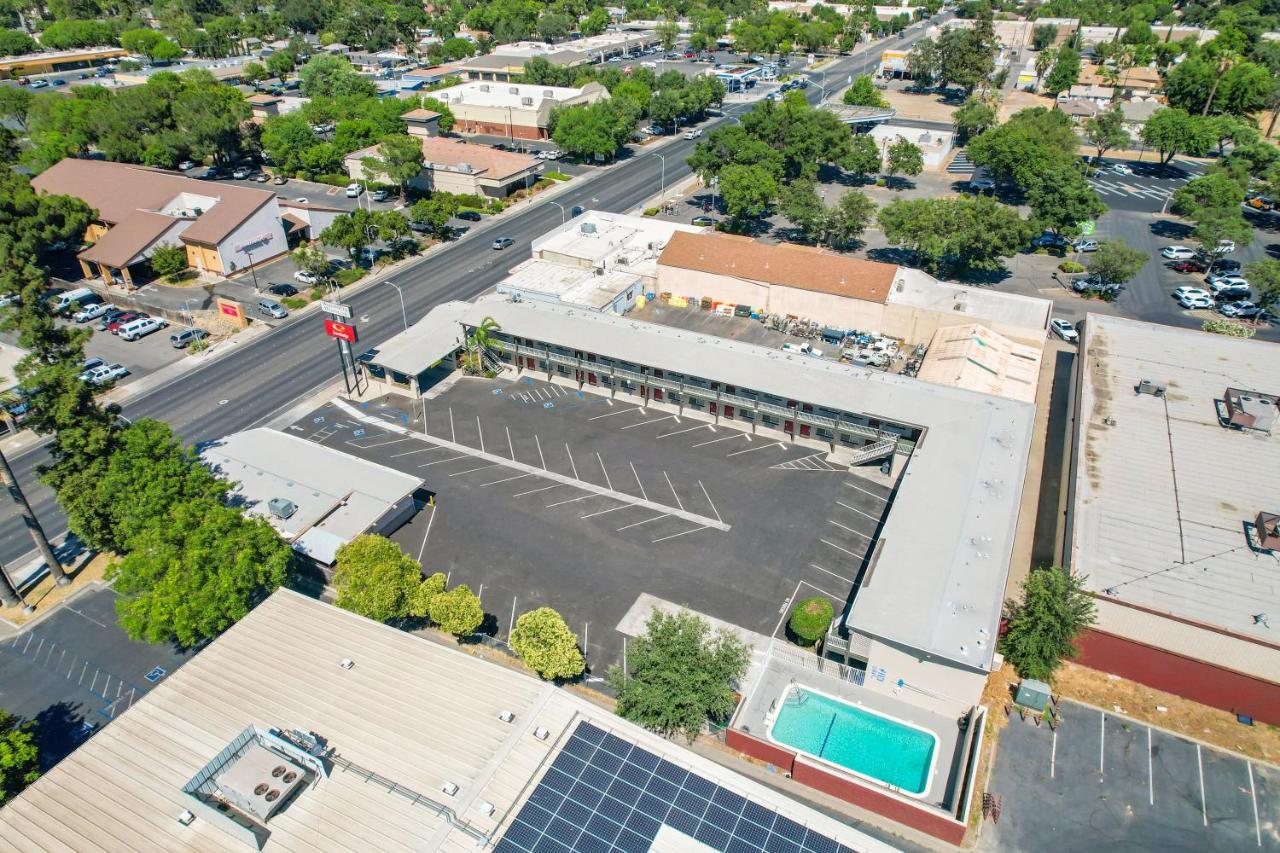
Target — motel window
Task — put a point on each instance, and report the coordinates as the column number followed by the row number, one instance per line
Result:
column 673, row 397
column 850, row 440
column 399, row 378
column 562, row 370
column 696, row 403
column 769, row 420
column 825, row 433
column 746, row 414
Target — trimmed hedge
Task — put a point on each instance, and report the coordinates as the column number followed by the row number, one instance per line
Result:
column 1070, row 267
column 810, row 619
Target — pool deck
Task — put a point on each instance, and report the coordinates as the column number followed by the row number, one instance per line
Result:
column 776, row 678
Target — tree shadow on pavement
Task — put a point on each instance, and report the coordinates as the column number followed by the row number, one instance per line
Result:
column 59, row 729
column 1171, row 230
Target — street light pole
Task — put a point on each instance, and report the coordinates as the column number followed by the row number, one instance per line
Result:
column 404, row 315
column 561, row 206
column 252, row 271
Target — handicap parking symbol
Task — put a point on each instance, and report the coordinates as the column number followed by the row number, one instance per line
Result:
column 496, row 391
column 156, row 674
column 548, row 405
column 318, row 419
column 358, row 433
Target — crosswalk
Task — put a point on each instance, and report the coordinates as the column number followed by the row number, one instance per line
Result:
column 960, row 164
column 1119, row 188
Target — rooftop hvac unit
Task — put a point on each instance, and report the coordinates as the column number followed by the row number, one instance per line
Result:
column 186, row 818
column 450, row 788
column 484, row 87
column 1150, row 386
column 486, row 808
column 281, row 507
column 507, row 716
column 588, row 228
column 541, row 734
column 513, row 91
column 526, row 102
column 547, row 93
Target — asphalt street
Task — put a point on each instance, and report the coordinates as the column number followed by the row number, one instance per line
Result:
column 274, row 371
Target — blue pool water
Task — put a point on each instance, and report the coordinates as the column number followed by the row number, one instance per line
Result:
column 862, row 741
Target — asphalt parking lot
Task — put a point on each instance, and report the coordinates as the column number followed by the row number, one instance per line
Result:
column 1103, row 781
column 57, row 672
column 535, row 484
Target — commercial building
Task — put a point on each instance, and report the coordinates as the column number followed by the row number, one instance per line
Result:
column 1169, row 495
column 736, row 78
column 934, row 145
column 223, row 227
column 836, row 290
column 317, row 498
column 507, row 61
column 514, row 110
column 54, row 61
column 307, row 727
column 456, row 166
column 976, row 358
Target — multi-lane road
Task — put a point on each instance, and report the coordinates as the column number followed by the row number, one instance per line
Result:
column 245, row 387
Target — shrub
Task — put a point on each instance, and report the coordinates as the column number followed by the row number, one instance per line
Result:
column 546, row 644
column 457, row 611
column 496, row 206
column 345, row 277
column 810, row 619
column 556, row 176
column 420, row 601
column 1230, row 328
column 375, row 578
column 336, row 179
column 316, row 292
column 168, row 260
column 1070, row 267
column 651, row 211
column 198, row 346
column 293, row 303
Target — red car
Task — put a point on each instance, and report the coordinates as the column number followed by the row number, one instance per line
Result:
column 1187, row 266
column 689, row 54
column 114, row 326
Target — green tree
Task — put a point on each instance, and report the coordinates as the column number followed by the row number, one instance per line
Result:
column 1043, row 36
column 254, row 72
column 545, row 643
column 1106, row 130
column 1065, row 72
column 399, row 160
column 863, row 158
column 150, row 465
column 667, row 33
column 375, row 578
column 965, row 59
column 287, row 139
column 799, row 203
column 1207, row 194
column 194, row 571
column 1172, row 131
column 352, row 231
column 1027, row 146
column 1115, row 262
column 420, row 601
column 1214, row 227
column 1063, row 199
column 436, row 105
column 435, row 212
column 810, row 619
column 595, row 22
column 329, row 76
column 312, row 259
column 973, row 117
column 747, row 190
column 19, row 756
column 16, row 43
column 905, row 158
column 1265, row 278
column 850, row 218
column 589, row 131
column 679, row 675
column 924, row 62
column 281, row 64
column 168, row 259
column 1043, row 626
column 457, row 611
column 15, row 105
column 955, row 233
column 864, row 93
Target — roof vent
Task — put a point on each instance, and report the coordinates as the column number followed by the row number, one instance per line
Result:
column 513, row 91
column 507, row 717
column 347, row 663
column 484, row 87
column 486, row 808
column 450, row 789
column 1152, row 387
column 281, row 507
column 541, row 734
column 186, row 818
column 547, row 93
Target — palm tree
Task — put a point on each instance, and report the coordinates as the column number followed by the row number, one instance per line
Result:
column 1110, row 77
column 1226, row 60
column 9, row 481
column 482, row 335
column 9, row 595
column 1044, row 62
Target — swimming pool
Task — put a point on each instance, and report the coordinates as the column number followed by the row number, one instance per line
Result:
column 856, row 740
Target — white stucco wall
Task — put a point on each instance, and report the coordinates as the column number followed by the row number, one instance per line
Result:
column 930, row 682
column 265, row 223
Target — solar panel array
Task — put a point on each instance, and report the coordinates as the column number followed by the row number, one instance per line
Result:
column 603, row 793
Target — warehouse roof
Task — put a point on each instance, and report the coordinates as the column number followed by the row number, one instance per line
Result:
column 1165, row 494
column 941, row 592
column 393, row 719
column 786, row 264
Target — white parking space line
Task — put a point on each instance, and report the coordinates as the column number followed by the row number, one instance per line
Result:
column 453, row 433
column 838, row 548
column 606, row 473
column 511, row 447
column 506, row 479
column 541, row 458
column 865, row 492
column 646, row 423
column 427, row 532
column 611, row 414
column 573, row 500
column 638, row 483
column 1204, row 805
column 1253, row 792
column 833, row 574
column 419, row 450
column 783, row 609
column 1053, row 754
column 673, row 491
column 377, row 444
column 858, row 511
column 605, row 511
column 535, row 491
column 683, row 431
column 480, row 430
column 709, row 501
column 473, row 470
column 1151, row 778
column 572, row 464
column 751, row 449
column 850, row 529
column 674, row 535
column 1102, row 743
column 721, row 438
column 450, row 459
column 638, row 523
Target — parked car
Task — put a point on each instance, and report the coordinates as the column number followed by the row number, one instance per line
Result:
column 186, row 165
column 273, row 309
column 502, row 243
column 1121, row 169
column 380, row 195
column 1085, row 245
column 982, row 185
column 652, row 130
column 322, row 128
column 1187, row 266
column 1065, row 330
column 260, row 178
column 1242, row 309
column 113, row 326
column 184, row 338
column 1217, row 281
column 92, row 312
column 241, row 172
column 1231, row 292
column 1226, row 266
column 1178, row 253
column 468, row 215
column 90, row 364
column 1193, row 297
column 1226, row 246
column 1191, row 292
column 39, row 84
column 306, row 277
column 105, row 374
column 7, row 299
column 106, row 318
column 693, row 134
column 141, row 327
column 279, row 180
column 282, row 289
column 703, row 221
column 1223, row 275
column 1050, row 240
column 354, row 190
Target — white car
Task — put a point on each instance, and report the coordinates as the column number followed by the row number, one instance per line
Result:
column 354, row 190
column 105, row 373
column 1065, row 330
column 186, row 166
column 1177, row 253
column 141, row 327
column 1193, row 297
column 1121, row 169
column 305, row 277
column 1226, row 246
column 92, row 312
column 1085, row 245
column 553, row 154
column 693, row 134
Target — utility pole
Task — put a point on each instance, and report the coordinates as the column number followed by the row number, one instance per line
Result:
column 32, row 523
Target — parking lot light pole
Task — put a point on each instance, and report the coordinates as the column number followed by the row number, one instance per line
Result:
column 248, row 254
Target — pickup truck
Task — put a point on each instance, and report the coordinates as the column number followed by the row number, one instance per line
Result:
column 802, row 349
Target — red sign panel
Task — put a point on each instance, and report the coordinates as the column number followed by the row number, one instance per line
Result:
column 343, row 331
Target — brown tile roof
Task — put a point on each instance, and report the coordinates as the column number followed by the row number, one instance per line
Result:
column 119, row 190
column 262, row 100
column 490, row 162
column 128, row 239
column 786, row 264
column 420, row 114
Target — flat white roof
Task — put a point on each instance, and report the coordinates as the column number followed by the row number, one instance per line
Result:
column 920, row 290
column 611, row 241
column 481, row 93
column 338, row 496
column 571, row 285
column 415, row 712
column 939, row 581
column 425, row 342
column 1163, row 490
